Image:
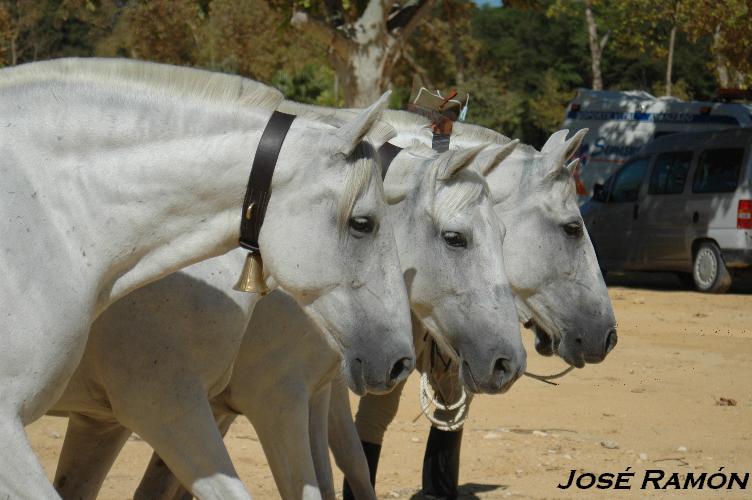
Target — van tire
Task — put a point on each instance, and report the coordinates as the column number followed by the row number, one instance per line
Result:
column 708, row 269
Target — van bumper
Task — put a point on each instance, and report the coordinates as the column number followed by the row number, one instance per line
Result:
column 737, row 257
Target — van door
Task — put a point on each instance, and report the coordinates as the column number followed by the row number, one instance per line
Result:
column 612, row 225
column 716, row 193
column 663, row 216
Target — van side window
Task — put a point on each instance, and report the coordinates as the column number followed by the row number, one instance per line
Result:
column 718, row 170
column 670, row 173
column 627, row 183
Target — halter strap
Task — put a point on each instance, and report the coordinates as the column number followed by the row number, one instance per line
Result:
column 260, row 180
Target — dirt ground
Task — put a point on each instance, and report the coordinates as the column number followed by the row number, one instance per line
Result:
column 653, row 404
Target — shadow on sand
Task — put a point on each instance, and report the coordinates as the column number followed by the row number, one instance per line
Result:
column 467, row 491
column 742, row 283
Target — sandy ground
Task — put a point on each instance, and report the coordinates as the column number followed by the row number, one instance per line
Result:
column 653, row 404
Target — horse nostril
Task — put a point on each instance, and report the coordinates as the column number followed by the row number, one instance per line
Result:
column 611, row 339
column 501, row 366
column 400, row 370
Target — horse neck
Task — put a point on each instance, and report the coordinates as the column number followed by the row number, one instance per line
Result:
column 138, row 188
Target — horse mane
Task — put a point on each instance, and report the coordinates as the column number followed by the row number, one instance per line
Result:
column 163, row 80
column 467, row 131
column 175, row 82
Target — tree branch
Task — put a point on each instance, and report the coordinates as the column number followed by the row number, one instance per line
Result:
column 403, row 21
column 604, row 40
column 417, row 68
column 321, row 30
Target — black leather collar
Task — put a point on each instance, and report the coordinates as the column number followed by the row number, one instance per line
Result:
column 260, row 180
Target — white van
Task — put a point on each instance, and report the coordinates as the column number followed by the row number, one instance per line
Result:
column 683, row 203
column 621, row 123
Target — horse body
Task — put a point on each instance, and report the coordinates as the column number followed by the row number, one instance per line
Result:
column 273, row 370
column 116, row 173
column 536, row 199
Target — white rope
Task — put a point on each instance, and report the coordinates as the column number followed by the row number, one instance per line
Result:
column 548, row 378
column 428, row 399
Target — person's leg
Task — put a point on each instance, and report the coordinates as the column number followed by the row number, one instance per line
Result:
column 441, row 464
column 375, row 413
column 441, row 461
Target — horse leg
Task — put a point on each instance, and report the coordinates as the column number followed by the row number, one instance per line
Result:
column 345, row 443
column 21, row 474
column 159, row 483
column 89, row 450
column 37, row 358
column 284, row 435
column 318, row 433
column 191, row 446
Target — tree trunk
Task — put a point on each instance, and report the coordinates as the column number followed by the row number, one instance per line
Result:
column 13, row 52
column 459, row 56
column 364, row 53
column 361, row 76
column 670, row 62
column 721, row 67
column 595, row 46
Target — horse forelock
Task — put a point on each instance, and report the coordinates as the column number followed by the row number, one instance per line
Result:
column 455, row 195
column 361, row 171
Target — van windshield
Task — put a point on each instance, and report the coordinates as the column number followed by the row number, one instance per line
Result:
column 718, row 170
column 626, row 186
column 670, row 172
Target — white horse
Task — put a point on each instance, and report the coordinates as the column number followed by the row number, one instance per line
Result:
column 116, row 173
column 553, row 271
column 565, row 301
column 445, row 221
column 536, row 195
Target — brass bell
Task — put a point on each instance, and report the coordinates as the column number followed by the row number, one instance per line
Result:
column 252, row 277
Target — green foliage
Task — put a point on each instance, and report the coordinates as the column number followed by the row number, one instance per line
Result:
column 521, row 62
column 314, row 84
column 495, row 108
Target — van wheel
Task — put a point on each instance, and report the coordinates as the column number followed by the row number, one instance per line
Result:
column 709, row 271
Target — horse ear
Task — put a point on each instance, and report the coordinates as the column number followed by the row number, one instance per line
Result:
column 560, row 150
column 573, row 144
column 457, row 160
column 352, row 133
column 492, row 157
column 555, row 141
column 401, row 180
column 572, row 165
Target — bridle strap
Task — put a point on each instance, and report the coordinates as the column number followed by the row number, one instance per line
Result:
column 387, row 153
column 260, row 180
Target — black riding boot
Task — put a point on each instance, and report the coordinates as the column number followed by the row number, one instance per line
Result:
column 372, row 451
column 441, row 464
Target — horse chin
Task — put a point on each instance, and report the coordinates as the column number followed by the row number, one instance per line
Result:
column 355, row 377
column 546, row 344
column 468, row 380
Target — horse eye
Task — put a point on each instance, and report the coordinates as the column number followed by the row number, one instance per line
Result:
column 362, row 225
column 454, row 239
column 573, row 229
